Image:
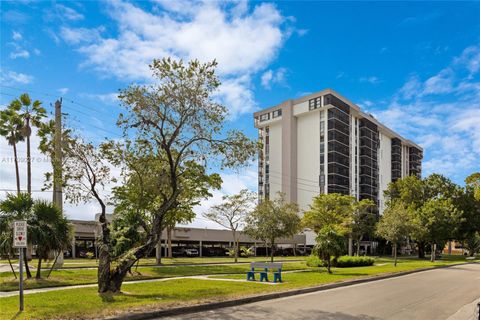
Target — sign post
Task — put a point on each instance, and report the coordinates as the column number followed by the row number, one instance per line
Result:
column 20, row 241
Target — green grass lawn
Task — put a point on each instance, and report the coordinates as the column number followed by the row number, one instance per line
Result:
column 72, row 263
column 87, row 276
column 156, row 295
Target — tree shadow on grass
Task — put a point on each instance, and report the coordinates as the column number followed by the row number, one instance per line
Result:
column 16, row 315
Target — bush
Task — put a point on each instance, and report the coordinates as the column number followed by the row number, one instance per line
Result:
column 89, row 255
column 347, row 261
column 314, row 261
column 342, row 262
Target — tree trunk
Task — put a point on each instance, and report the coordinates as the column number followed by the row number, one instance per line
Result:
column 11, row 266
column 235, row 245
column 271, row 252
column 17, row 173
column 329, row 265
column 358, row 247
column 104, row 254
column 25, row 261
column 29, row 161
column 169, row 242
column 432, row 249
column 421, row 250
column 39, row 268
column 395, row 254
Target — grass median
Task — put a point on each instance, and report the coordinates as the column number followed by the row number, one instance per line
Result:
column 69, row 277
column 81, row 263
column 86, row 303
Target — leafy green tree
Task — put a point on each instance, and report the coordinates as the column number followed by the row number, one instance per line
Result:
column 273, row 219
column 364, row 220
column 395, row 225
column 32, row 113
column 231, row 214
column 472, row 243
column 48, row 230
column 331, row 210
column 416, row 194
column 329, row 242
column 436, row 222
column 473, row 181
column 11, row 128
column 180, row 124
column 470, row 221
column 88, row 174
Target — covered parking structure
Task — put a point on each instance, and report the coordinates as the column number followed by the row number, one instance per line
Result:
column 207, row 242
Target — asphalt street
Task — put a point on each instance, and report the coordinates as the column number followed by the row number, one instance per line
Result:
column 435, row 294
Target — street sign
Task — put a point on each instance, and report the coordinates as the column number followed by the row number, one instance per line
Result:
column 20, row 234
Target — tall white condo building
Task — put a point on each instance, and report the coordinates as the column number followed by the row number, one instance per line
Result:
column 324, row 143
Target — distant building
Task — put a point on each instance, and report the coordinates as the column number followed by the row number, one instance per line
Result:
column 324, row 143
column 86, row 234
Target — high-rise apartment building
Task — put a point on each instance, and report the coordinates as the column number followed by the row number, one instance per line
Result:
column 323, row 143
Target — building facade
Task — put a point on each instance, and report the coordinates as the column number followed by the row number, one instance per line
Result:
column 323, row 143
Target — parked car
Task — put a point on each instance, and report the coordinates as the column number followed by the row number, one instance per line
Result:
column 191, row 252
column 185, row 252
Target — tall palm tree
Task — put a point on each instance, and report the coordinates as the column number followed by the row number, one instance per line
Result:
column 10, row 128
column 48, row 230
column 32, row 113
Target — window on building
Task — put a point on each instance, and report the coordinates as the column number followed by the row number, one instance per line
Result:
column 265, row 117
column 276, row 113
column 315, row 103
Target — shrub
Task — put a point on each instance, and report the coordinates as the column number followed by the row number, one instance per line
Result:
column 347, row 261
column 314, row 261
column 89, row 255
column 246, row 252
column 342, row 262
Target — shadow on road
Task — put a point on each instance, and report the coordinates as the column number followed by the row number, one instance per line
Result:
column 254, row 312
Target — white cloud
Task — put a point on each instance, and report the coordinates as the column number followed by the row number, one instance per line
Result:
column 110, row 99
column 16, row 36
column 62, row 13
column 63, row 91
column 271, row 77
column 371, row 79
column 442, row 114
column 243, row 39
column 20, row 54
column 15, row 77
column 80, row 35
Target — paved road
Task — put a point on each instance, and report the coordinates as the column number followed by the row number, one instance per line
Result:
column 435, row 294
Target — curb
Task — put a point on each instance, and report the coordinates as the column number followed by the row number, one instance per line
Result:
column 269, row 296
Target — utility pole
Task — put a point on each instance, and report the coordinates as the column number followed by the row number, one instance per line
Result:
column 57, row 168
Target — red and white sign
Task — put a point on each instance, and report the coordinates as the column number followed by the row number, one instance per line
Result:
column 20, row 234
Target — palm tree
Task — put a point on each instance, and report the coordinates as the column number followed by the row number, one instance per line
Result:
column 17, row 207
column 32, row 114
column 10, row 128
column 48, row 230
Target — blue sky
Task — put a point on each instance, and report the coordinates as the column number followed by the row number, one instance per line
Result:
column 415, row 66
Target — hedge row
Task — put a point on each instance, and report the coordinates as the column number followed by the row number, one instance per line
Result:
column 342, row 262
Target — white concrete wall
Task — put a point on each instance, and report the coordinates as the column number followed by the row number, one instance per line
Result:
column 275, row 158
column 308, row 158
column 300, row 108
column 385, row 168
